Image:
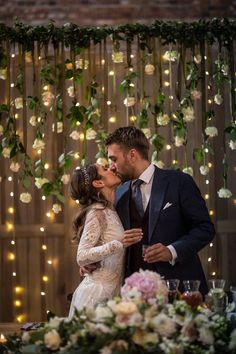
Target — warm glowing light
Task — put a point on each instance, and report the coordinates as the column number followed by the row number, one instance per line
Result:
column 12, row 194
column 131, row 69
column 9, row 226
column 207, row 181
column 77, row 201
column 44, row 247
column 20, row 318
column 131, row 84
column 211, row 244
column 166, row 83
column 49, row 261
column 12, row 242
column 168, row 147
column 42, row 293
column 78, row 124
column 206, row 150
column 46, row 166
column 103, row 61
column 9, row 178
column 111, row 73
column 39, row 151
column 206, row 196
column 48, row 214
column 207, row 73
column 174, row 162
column 209, row 164
column 42, row 229
column 108, row 103
column 209, row 259
column 39, row 58
column 11, row 210
column 76, row 156
column 3, row 339
column 112, row 119
column 46, row 87
column 133, row 118
column 209, row 87
column 11, row 256
column 171, row 97
column 45, row 278
column 17, row 303
column 18, row 290
column 103, row 88
column 213, row 273
column 14, row 274
column 131, row 56
column 211, row 212
column 234, row 201
column 43, row 197
column 13, row 55
column 16, row 116
column 12, row 85
column 166, row 72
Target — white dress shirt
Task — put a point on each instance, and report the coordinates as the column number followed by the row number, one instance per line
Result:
column 145, row 188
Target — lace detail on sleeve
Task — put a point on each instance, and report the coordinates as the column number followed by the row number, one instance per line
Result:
column 91, row 249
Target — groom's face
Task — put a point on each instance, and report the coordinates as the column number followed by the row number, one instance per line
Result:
column 120, row 162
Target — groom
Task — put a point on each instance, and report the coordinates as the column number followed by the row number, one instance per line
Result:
column 166, row 204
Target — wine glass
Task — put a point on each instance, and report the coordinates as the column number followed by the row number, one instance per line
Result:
column 172, row 285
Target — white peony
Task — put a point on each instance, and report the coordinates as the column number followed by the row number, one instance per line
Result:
column 102, row 313
column 211, row 131
column 102, row 161
column 6, row 152
column 163, row 119
column 56, row 208
column 65, row 179
column 117, row 57
column 232, row 144
column 164, row 325
column 14, row 166
column 1, row 130
column 224, row 193
column 38, row 144
column 188, row 114
column 204, row 169
column 19, row 102
column 25, row 337
column 129, row 101
column 188, row 170
column 25, row 197
column 33, row 120
column 71, row 91
column 147, row 132
column 179, row 141
column 75, row 135
column 198, row 58
column 218, row 99
column 3, row 74
column 195, row 94
column 52, row 339
column 159, row 163
column 91, row 134
column 149, row 69
column 39, row 182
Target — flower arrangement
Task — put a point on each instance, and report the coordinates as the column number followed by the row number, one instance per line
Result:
column 140, row 321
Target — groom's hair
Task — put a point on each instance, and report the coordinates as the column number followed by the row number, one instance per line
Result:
column 130, row 138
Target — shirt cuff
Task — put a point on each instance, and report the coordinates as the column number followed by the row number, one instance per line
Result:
column 174, row 255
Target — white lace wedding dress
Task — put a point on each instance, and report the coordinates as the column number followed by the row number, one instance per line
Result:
column 99, row 242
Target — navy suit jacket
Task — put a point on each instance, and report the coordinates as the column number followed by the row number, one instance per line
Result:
column 185, row 224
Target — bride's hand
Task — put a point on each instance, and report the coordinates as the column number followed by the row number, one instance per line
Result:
column 88, row 269
column 131, row 237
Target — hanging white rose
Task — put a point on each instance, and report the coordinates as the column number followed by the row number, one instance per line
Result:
column 224, row 193
column 52, row 339
column 188, row 114
column 225, row 69
column 91, row 134
column 71, row 91
column 39, row 182
column 38, row 144
column 19, row 102
column 117, row 57
column 171, row 55
column 159, row 163
column 188, row 170
column 56, row 208
column 163, row 119
column 14, row 166
column 25, row 197
column 33, row 120
column 81, row 64
column 218, row 99
column 102, row 161
column 75, row 135
column 6, row 152
column 204, row 169
column 1, row 130
column 211, row 131
column 129, row 101
column 3, row 74
column 65, row 179
column 232, row 144
column 179, row 141
column 198, row 58
column 149, row 69
column 47, row 98
column 147, row 132
column 196, row 95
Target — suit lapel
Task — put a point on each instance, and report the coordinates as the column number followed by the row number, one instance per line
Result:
column 122, row 204
column 159, row 186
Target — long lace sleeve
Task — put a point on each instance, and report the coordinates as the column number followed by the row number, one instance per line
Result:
column 91, row 249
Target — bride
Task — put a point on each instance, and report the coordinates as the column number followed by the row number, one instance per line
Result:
column 100, row 234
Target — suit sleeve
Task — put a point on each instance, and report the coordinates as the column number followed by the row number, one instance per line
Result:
column 200, row 229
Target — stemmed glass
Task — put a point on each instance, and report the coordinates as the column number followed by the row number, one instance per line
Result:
column 172, row 285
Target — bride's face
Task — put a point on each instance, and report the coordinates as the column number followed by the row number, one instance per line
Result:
column 109, row 178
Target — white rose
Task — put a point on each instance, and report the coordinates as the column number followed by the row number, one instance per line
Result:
column 47, row 98
column 91, row 134
column 65, row 179
column 56, row 208
column 129, row 101
column 232, row 145
column 171, row 55
column 39, row 182
column 188, row 170
column 55, row 322
column 71, row 91
column 14, row 166
column 33, row 120
column 102, row 161
column 211, row 131
column 149, row 69
column 163, row 119
column 1, row 130
column 164, row 325
column 102, row 313
column 38, row 144
column 25, row 337
column 224, row 193
column 6, row 153
column 206, row 336
column 179, row 141
column 143, row 338
column 188, row 114
column 204, row 170
column 196, row 95
column 19, row 102
column 52, row 339
column 3, row 74
column 147, row 132
column 25, row 197
column 75, row 135
column 82, row 64
column 218, row 99
column 159, row 163
column 117, row 57
column 198, row 58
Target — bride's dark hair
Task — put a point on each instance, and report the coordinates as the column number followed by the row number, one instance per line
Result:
column 82, row 189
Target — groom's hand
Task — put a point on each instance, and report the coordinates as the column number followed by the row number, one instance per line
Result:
column 88, row 269
column 157, row 253
column 131, row 237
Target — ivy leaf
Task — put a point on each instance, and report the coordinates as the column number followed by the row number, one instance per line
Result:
column 198, row 154
column 60, row 197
